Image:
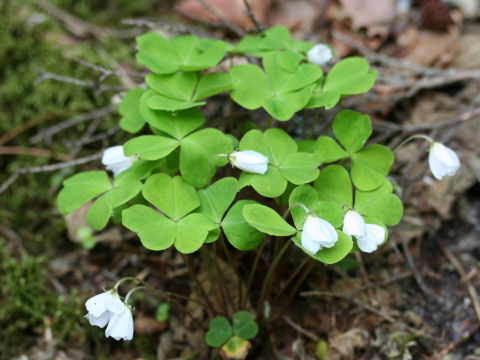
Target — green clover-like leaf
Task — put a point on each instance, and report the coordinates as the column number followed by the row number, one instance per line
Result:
column 244, row 325
column 350, row 76
column 188, row 53
column 240, row 234
column 219, row 332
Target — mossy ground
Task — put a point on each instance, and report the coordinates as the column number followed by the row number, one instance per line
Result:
column 31, row 231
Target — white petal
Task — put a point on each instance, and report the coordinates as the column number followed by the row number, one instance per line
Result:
column 114, row 304
column 114, row 160
column 250, row 161
column 121, row 325
column 374, row 237
column 113, row 155
column 96, row 304
column 320, row 231
column 442, row 161
column 320, row 54
column 99, row 321
column 310, row 244
column 353, row 224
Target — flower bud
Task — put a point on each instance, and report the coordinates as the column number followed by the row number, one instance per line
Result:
column 442, row 160
column 317, row 234
column 374, row 236
column 114, row 160
column 353, row 224
column 249, row 161
column 320, row 54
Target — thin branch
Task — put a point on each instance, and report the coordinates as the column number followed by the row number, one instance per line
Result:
column 225, row 22
column 300, row 329
column 258, row 25
column 48, row 168
column 48, row 133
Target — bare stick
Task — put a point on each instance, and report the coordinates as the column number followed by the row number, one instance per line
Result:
column 234, row 28
column 47, row 168
column 258, row 25
column 300, row 329
column 48, row 133
column 461, row 271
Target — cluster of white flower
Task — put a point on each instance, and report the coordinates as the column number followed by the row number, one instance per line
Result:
column 109, row 308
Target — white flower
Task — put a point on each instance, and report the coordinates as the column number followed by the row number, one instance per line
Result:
column 353, row 224
column 114, row 160
column 102, row 306
column 374, row 236
column 442, row 160
column 317, row 234
column 250, row 161
column 121, row 325
column 320, row 54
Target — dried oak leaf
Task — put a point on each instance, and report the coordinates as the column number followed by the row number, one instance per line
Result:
column 373, row 15
column 234, row 11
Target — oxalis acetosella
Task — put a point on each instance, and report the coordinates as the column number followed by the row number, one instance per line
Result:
column 319, row 197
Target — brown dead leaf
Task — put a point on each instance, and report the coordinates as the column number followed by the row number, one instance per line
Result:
column 344, row 345
column 469, row 52
column 147, row 325
column 232, row 10
column 297, row 15
column 373, row 15
column 429, row 48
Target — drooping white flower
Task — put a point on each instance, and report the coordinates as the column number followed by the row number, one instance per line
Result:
column 320, row 54
column 121, row 325
column 374, row 236
column 249, row 161
column 100, row 307
column 442, row 160
column 99, row 321
column 317, row 234
column 114, row 160
column 353, row 224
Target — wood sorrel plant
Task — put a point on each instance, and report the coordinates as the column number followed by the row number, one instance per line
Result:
column 163, row 186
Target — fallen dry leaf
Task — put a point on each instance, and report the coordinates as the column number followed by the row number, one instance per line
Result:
column 429, row 48
column 375, row 16
column 343, row 346
column 234, row 11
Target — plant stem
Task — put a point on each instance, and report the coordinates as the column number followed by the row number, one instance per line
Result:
column 410, row 138
column 290, row 279
column 314, row 124
column 270, row 273
column 223, row 286
column 299, row 283
column 252, row 272
column 270, row 121
column 197, row 281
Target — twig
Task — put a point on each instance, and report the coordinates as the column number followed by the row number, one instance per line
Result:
column 389, row 280
column 461, row 271
column 29, row 124
column 300, row 329
column 234, row 28
column 258, row 25
column 48, row 133
column 44, row 75
column 411, row 263
column 21, row 150
column 47, row 168
column 461, row 339
column 81, row 28
column 352, row 299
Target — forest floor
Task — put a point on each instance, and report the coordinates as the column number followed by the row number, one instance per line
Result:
column 62, row 62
